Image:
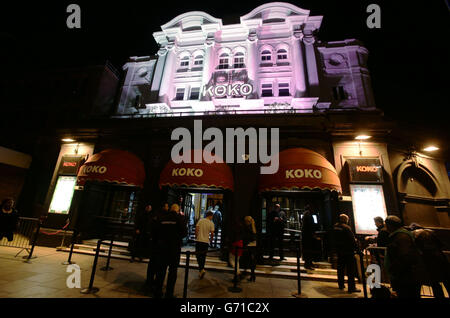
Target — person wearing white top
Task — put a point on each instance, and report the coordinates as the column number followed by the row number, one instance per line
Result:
column 204, row 234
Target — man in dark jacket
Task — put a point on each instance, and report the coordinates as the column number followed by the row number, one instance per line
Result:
column 8, row 219
column 436, row 263
column 141, row 246
column 168, row 230
column 345, row 245
column 402, row 261
column 275, row 228
column 309, row 239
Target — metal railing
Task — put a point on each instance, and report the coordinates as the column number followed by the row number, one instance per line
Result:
column 25, row 236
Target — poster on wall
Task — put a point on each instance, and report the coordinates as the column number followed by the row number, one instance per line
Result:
column 368, row 202
column 62, row 197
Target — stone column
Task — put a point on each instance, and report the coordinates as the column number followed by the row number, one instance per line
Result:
column 253, row 62
column 208, row 63
column 168, row 74
column 298, row 64
column 311, row 64
column 158, row 74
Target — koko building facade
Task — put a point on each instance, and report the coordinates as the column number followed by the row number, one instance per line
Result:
column 268, row 71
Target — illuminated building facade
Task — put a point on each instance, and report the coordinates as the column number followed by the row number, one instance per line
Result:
column 269, row 71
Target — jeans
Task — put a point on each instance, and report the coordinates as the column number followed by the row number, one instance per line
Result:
column 171, row 261
column 201, row 249
column 346, row 262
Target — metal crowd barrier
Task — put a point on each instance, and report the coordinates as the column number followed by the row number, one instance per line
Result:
column 25, row 236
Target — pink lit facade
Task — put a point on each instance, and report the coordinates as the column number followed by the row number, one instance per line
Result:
column 271, row 61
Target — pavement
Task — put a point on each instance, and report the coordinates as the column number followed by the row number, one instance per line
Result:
column 45, row 277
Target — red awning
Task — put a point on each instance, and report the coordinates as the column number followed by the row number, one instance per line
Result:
column 198, row 175
column 114, row 166
column 300, row 169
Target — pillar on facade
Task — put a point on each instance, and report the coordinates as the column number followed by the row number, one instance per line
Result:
column 311, row 64
column 299, row 66
column 252, row 61
column 208, row 63
column 169, row 65
column 158, row 73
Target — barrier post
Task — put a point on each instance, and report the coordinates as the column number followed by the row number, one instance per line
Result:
column 69, row 259
column 235, row 288
column 299, row 279
column 30, row 255
column 107, row 267
column 91, row 289
column 363, row 274
column 186, row 274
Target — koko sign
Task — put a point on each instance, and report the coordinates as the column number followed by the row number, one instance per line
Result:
column 228, row 90
column 303, row 173
column 365, row 170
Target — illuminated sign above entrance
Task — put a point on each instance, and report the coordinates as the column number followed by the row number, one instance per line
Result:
column 365, row 170
column 228, row 90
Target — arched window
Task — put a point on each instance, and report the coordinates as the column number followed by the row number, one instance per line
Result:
column 184, row 62
column 266, row 56
column 224, row 61
column 239, row 60
column 282, row 55
column 198, row 60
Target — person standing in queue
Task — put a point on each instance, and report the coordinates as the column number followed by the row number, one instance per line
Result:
column 402, row 260
column 9, row 218
column 275, row 226
column 204, row 234
column 142, row 233
column 152, row 262
column 217, row 220
column 309, row 238
column 345, row 245
column 169, row 228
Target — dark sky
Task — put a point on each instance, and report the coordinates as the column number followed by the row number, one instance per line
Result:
column 408, row 57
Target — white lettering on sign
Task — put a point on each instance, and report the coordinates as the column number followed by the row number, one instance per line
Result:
column 366, row 169
column 303, row 173
column 188, row 172
column 95, row 169
column 228, row 90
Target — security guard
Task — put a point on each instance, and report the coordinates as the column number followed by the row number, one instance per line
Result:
column 168, row 231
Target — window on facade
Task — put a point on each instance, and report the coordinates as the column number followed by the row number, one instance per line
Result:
column 266, row 56
column 239, row 60
column 339, row 93
column 282, row 55
column 266, row 90
column 223, row 61
column 198, row 61
column 283, row 89
column 184, row 63
column 180, row 94
column 195, row 93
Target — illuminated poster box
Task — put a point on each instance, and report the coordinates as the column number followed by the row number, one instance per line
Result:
column 62, row 197
column 368, row 202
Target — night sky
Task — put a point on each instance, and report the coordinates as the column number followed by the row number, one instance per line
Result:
column 408, row 57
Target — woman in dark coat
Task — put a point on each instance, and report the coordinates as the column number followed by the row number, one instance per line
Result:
column 141, row 242
column 8, row 219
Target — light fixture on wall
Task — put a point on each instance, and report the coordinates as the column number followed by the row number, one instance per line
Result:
column 363, row 137
column 431, row 148
column 68, row 140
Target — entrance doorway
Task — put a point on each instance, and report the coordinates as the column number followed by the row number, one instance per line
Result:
column 194, row 203
column 294, row 204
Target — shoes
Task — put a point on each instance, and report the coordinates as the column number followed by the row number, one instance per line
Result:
column 354, row 290
column 202, row 273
